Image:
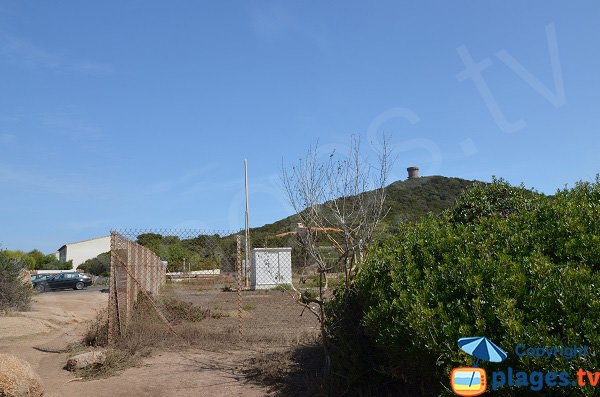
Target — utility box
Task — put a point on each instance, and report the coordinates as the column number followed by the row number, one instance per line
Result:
column 271, row 267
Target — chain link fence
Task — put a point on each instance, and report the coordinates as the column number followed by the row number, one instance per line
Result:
column 135, row 270
column 248, row 302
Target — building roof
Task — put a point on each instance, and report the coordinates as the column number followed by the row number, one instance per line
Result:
column 81, row 241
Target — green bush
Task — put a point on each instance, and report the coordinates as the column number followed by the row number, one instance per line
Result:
column 36, row 260
column 97, row 266
column 203, row 252
column 506, row 263
column 15, row 287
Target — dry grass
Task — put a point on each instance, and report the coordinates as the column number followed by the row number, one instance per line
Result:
column 116, row 361
column 269, row 318
column 17, row 378
column 177, row 311
column 292, row 372
column 97, row 331
column 146, row 332
column 204, row 318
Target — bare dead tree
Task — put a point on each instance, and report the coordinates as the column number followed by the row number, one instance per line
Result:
column 339, row 201
column 356, row 202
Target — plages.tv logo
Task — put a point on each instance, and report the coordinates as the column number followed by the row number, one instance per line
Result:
column 472, row 381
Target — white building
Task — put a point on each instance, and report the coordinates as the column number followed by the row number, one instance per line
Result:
column 81, row 251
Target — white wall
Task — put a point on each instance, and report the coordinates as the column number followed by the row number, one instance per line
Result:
column 84, row 250
column 50, row 271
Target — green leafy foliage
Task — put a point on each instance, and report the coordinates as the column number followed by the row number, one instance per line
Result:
column 98, row 266
column 504, row 262
column 202, row 252
column 407, row 200
column 36, row 260
column 498, row 198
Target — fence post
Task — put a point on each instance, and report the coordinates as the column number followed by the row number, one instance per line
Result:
column 238, row 265
column 134, row 275
column 112, row 298
column 129, row 284
column 153, row 283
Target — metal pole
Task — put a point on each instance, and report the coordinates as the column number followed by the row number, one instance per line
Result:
column 247, row 243
column 184, row 270
column 238, row 263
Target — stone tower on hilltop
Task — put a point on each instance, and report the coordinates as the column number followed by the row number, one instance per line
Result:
column 413, row 172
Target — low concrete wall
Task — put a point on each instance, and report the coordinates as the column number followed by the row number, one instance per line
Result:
column 196, row 273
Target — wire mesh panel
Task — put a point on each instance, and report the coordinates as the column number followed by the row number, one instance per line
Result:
column 255, row 302
column 134, row 270
column 274, row 309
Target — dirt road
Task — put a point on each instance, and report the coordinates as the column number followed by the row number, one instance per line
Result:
column 59, row 318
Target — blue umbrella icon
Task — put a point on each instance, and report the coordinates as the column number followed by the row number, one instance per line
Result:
column 481, row 348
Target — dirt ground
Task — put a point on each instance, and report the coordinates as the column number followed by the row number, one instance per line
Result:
column 60, row 318
column 269, row 318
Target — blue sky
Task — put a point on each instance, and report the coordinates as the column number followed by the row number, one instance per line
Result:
column 139, row 114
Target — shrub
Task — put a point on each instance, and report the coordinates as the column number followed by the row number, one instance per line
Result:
column 15, row 287
column 496, row 199
column 282, row 287
column 97, row 266
column 506, row 263
column 97, row 331
column 36, row 260
column 177, row 311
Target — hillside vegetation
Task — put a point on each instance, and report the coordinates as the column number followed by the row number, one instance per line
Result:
column 407, row 201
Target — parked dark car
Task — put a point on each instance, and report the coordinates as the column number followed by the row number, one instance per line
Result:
column 38, row 277
column 62, row 281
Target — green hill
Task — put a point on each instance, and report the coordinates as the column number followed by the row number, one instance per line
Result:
column 407, row 200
